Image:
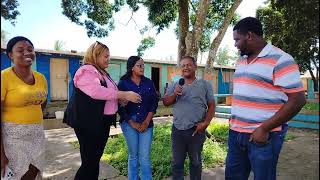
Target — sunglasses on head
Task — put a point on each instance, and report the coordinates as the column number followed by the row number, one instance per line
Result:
column 99, row 43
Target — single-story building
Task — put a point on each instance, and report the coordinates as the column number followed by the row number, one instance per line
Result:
column 59, row 68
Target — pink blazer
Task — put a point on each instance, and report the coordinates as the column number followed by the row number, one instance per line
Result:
column 87, row 79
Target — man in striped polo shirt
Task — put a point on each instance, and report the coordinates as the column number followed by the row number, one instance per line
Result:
column 267, row 93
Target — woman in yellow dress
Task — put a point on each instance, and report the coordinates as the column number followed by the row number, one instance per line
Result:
column 23, row 95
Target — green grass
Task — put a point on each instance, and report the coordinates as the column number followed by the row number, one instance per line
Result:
column 116, row 152
column 311, row 106
column 289, row 136
column 163, row 110
column 214, row 151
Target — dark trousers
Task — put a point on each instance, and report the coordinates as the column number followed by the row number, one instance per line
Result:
column 244, row 156
column 92, row 143
column 184, row 143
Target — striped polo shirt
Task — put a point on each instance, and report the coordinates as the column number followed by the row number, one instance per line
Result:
column 260, row 88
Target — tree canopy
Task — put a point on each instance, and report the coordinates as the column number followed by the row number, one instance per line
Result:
column 293, row 26
column 59, row 45
column 9, row 10
column 196, row 19
column 224, row 58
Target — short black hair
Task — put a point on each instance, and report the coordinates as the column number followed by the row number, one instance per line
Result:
column 191, row 58
column 249, row 24
column 14, row 41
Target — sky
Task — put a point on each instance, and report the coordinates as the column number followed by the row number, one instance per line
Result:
column 43, row 23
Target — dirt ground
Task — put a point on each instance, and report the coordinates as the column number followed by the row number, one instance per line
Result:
column 299, row 158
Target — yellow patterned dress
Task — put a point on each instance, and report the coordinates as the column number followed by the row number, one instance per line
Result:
column 22, row 118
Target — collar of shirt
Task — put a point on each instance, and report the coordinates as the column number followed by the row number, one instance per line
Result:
column 266, row 50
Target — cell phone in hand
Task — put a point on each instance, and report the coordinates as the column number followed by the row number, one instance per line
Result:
column 8, row 173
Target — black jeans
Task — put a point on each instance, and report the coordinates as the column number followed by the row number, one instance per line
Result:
column 184, row 143
column 92, row 143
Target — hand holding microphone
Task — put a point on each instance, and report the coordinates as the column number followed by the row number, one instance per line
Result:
column 178, row 88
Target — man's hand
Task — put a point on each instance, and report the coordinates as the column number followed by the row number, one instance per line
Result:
column 4, row 162
column 178, row 90
column 259, row 135
column 201, row 127
column 144, row 125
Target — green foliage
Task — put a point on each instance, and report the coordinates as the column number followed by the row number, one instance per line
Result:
column 58, row 45
column 162, row 13
column 97, row 15
column 3, row 37
column 293, row 26
column 214, row 150
column 163, row 110
column 99, row 22
column 289, row 136
column 311, row 106
column 116, row 152
column 219, row 131
column 145, row 44
column 214, row 20
column 223, row 58
column 8, row 10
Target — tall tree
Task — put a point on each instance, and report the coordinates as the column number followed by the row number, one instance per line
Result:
column 217, row 40
column 293, row 26
column 3, row 38
column 9, row 10
column 196, row 19
column 58, row 45
column 224, row 58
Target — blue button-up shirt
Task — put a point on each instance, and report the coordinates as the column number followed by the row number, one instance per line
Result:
column 138, row 111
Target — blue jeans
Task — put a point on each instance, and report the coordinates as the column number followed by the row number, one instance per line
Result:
column 139, row 146
column 244, row 156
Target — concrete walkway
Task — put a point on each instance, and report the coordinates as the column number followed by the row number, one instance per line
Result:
column 63, row 160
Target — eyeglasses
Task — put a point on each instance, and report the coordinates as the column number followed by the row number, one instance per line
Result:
column 186, row 65
column 140, row 65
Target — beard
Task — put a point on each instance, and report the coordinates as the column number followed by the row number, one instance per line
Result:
column 244, row 50
column 243, row 53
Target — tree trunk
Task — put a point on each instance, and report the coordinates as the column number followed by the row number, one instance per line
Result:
column 217, row 40
column 183, row 27
column 195, row 36
column 316, row 79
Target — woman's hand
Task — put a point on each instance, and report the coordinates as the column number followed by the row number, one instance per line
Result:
column 144, row 126
column 134, row 124
column 123, row 102
column 132, row 96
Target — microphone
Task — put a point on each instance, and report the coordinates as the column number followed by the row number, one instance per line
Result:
column 181, row 81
